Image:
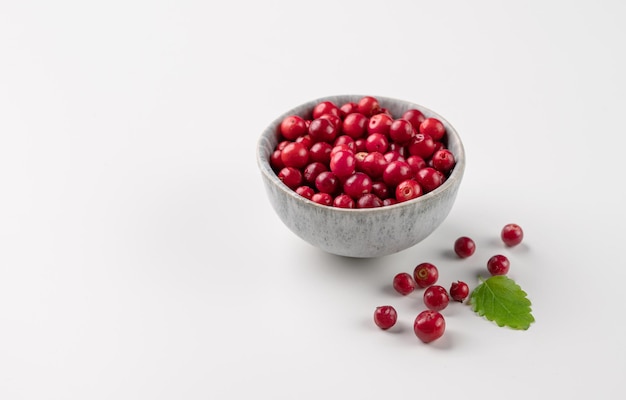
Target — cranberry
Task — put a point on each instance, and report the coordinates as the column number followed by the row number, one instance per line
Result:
column 349, row 108
column 381, row 190
column 425, row 274
column 320, row 152
column 276, row 161
column 322, row 130
column 385, row 317
column 404, row 283
column 374, row 164
column 369, row 200
column 360, row 144
column 327, row 182
column 498, row 265
column 415, row 117
column 464, row 247
column 429, row 326
column 443, row 160
column 432, row 127
column 343, row 163
column 305, row 140
column 292, row 127
column 429, row 178
column 305, row 191
column 290, row 176
column 389, row 201
column 326, row 108
column 368, row 106
column 421, row 145
column 335, row 120
column 295, row 155
column 416, row 163
column 357, row 184
column 324, row 199
column 459, row 291
column 344, row 201
column 397, row 148
column 512, row 234
column 401, row 131
column 345, row 140
column 340, row 147
column 396, row 172
column 408, row 190
column 312, row 170
column 376, row 142
column 379, row 123
column 436, row 298
column 393, row 156
column 355, row 125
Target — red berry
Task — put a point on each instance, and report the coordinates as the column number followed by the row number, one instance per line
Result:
column 425, row 274
column 432, row 127
column 381, row 190
column 368, row 106
column 379, row 123
column 415, row 117
column 436, row 298
column 385, row 317
column 404, row 283
column 343, row 163
column 320, row 152
column 322, row 198
column 416, row 163
column 429, row 178
column 344, row 201
column 369, row 200
column 377, row 142
column 327, row 182
column 443, row 160
column 357, row 184
column 512, row 234
column 459, row 291
column 322, row 130
column 408, row 190
column 464, row 247
column 292, row 127
column 305, row 191
column 498, row 265
column 396, row 172
column 429, row 326
column 348, row 108
column 290, row 176
column 421, row 145
column 355, row 125
column 401, row 131
column 295, row 155
column 325, row 108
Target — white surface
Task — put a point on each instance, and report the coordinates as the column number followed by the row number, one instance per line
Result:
column 139, row 258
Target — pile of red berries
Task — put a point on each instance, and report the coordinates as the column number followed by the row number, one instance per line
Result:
column 430, row 324
column 359, row 155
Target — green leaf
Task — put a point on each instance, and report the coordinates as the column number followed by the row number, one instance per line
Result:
column 501, row 300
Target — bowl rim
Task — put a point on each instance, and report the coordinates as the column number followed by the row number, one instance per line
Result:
column 265, row 168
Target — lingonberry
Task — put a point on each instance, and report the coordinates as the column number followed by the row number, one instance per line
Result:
column 396, row 172
column 320, row 152
column 498, row 265
column 312, row 170
column 374, row 164
column 376, row 142
column 443, row 160
column 512, row 234
column 459, row 291
column 421, row 145
column 385, row 317
column 295, row 155
column 429, row 179
column 292, row 127
column 400, row 131
column 379, row 123
column 404, row 283
column 408, row 190
column 324, row 199
column 369, row 200
column 305, row 191
column 368, row 106
column 432, row 127
column 325, row 108
column 344, row 201
column 425, row 274
column 357, row 184
column 327, row 182
column 322, row 130
column 290, row 176
column 436, row 297
column 429, row 326
column 355, row 125
column 464, row 247
column 343, row 163
column 415, row 117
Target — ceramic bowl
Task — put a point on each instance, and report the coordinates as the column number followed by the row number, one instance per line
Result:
column 360, row 233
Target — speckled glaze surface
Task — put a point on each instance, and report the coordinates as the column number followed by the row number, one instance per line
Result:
column 361, row 233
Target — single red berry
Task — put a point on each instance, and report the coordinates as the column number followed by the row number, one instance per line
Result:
column 290, row 176
column 385, row 317
column 498, row 265
column 345, row 140
column 357, row 184
column 394, row 155
column 381, row 190
column 436, row 298
column 389, row 201
column 408, row 190
column 295, row 155
column 425, row 274
column 343, row 163
column 415, row 117
column 401, row 131
column 344, row 201
column 421, row 145
column 512, row 234
column 305, row 140
column 305, row 191
column 322, row 130
column 327, row 182
column 429, row 326
column 320, row 152
column 326, row 108
column 396, row 172
column 416, row 163
column 324, row 199
column 355, row 125
column 276, row 161
column 379, row 123
column 432, row 127
column 369, row 200
column 404, row 283
column 292, row 127
column 459, row 291
column 443, row 160
column 377, row 142
column 312, row 170
column 464, row 247
column 368, row 106
column 349, row 108
column 429, row 179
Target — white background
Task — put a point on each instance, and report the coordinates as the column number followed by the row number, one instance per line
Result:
column 140, row 258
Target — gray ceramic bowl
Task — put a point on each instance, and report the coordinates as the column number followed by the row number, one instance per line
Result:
column 362, row 233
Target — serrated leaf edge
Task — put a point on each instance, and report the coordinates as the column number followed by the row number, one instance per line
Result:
column 515, row 286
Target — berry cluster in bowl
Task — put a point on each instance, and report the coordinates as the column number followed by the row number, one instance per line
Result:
column 357, row 154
